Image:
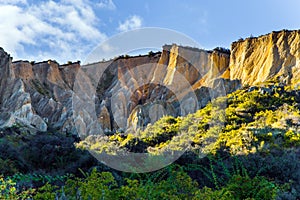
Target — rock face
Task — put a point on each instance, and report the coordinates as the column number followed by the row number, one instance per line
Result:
column 16, row 103
column 36, row 95
column 131, row 92
column 275, row 55
column 140, row 90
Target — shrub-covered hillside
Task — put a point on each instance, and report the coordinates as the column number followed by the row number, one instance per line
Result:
column 247, row 121
column 242, row 146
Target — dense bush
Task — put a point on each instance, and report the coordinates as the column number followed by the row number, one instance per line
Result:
column 176, row 185
column 51, row 153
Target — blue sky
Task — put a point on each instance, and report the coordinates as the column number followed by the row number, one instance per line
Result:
column 69, row 29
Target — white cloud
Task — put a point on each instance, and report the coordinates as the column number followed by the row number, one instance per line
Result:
column 132, row 22
column 63, row 31
column 107, row 4
column 107, row 48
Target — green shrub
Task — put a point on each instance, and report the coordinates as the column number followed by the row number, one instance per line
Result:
column 177, row 186
column 46, row 192
column 8, row 190
column 209, row 194
column 243, row 187
column 97, row 185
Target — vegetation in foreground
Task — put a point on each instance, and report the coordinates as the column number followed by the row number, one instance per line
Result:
column 242, row 146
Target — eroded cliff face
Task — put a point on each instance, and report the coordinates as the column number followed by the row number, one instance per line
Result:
column 197, row 67
column 272, row 56
column 131, row 92
column 164, row 85
column 36, row 95
column 15, row 101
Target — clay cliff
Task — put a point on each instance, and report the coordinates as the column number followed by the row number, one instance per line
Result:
column 131, row 92
column 137, row 91
column 37, row 96
column 272, row 56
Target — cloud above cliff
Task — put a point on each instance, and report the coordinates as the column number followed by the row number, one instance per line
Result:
column 62, row 31
column 133, row 22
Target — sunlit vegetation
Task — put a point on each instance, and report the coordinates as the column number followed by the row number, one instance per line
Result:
column 238, row 123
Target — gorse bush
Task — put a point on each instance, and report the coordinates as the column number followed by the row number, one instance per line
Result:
column 291, row 138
